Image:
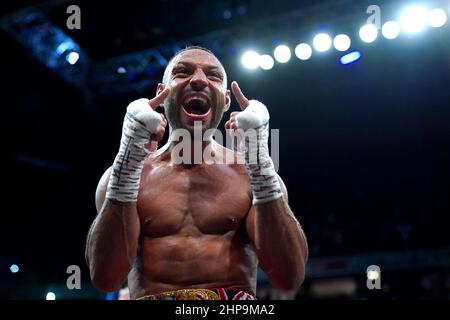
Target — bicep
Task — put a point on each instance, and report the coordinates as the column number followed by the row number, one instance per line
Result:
column 100, row 193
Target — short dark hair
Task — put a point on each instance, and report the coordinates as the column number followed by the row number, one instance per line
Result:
column 193, row 47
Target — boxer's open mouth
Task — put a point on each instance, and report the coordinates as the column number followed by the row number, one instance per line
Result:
column 196, row 107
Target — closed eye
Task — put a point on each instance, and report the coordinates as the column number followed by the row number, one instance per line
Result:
column 216, row 75
column 181, row 72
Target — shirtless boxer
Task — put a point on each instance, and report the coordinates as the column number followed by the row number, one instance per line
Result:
column 193, row 231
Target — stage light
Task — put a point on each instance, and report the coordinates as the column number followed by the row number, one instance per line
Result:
column 14, row 268
column 266, row 62
column 437, row 18
column 72, row 57
column 282, row 54
column 322, row 42
column 63, row 46
column 342, row 42
column 373, row 275
column 250, row 60
column 368, row 33
column 413, row 19
column 121, row 70
column 303, row 51
column 390, row 30
column 350, row 57
column 50, row 296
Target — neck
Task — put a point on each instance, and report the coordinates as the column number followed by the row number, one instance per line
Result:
column 184, row 150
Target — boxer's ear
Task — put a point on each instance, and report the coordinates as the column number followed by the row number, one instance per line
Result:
column 160, row 88
column 227, row 100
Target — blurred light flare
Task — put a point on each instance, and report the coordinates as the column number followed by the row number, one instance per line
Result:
column 391, row 30
column 282, row 53
column 322, row 42
column 368, row 33
column 266, row 62
column 14, row 268
column 50, row 296
column 350, row 57
column 413, row 19
column 342, row 42
column 250, row 60
column 437, row 18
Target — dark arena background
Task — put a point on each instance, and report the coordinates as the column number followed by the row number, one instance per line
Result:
column 364, row 130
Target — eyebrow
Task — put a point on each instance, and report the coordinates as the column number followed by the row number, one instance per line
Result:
column 190, row 64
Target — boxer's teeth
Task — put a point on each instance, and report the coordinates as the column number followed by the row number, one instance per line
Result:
column 195, row 105
column 203, row 100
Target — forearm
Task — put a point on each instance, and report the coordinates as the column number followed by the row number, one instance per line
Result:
column 279, row 240
column 112, row 244
column 280, row 244
column 113, row 238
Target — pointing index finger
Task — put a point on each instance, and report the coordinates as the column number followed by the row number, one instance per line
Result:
column 159, row 99
column 241, row 99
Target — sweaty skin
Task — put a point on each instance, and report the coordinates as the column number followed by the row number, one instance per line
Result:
column 193, row 226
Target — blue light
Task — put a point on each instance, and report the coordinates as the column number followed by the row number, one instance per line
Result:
column 241, row 10
column 350, row 57
column 112, row 295
column 227, row 14
column 14, row 268
column 121, row 70
column 67, row 45
column 50, row 296
column 64, row 46
column 72, row 57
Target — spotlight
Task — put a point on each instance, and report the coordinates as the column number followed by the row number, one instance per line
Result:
column 342, row 42
column 437, row 18
column 413, row 19
column 63, row 46
column 350, row 57
column 322, row 42
column 72, row 57
column 250, row 60
column 303, row 51
column 282, row 54
column 14, row 268
column 368, row 33
column 266, row 62
column 50, row 296
column 390, row 30
column 121, row 70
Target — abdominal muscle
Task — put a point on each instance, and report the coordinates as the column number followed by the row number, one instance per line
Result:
column 206, row 261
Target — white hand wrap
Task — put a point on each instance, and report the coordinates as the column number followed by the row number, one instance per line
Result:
column 140, row 122
column 253, row 146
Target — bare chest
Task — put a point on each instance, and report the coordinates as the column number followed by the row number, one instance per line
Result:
column 192, row 202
